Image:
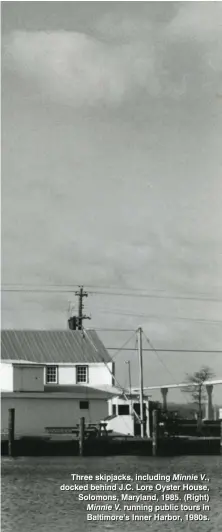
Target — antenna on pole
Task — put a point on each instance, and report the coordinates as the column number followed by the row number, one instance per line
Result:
column 71, row 309
column 140, row 353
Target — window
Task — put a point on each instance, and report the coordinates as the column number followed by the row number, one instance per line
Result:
column 51, row 374
column 136, row 407
column 81, row 374
column 123, row 410
column 84, row 405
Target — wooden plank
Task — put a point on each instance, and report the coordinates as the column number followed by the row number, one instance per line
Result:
column 61, row 430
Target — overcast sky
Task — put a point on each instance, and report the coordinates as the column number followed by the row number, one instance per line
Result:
column 111, row 172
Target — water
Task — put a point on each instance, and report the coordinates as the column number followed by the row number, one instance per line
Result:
column 33, row 502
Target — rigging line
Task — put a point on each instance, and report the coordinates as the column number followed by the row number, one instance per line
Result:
column 118, row 384
column 216, row 351
column 130, row 384
column 163, row 364
column 120, row 349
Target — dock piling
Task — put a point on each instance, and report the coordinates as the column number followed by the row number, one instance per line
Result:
column 81, row 435
column 11, row 431
column 155, row 433
column 221, row 437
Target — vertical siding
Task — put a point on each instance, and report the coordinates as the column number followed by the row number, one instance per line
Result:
column 28, row 379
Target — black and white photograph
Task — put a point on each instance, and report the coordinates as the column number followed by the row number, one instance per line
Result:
column 111, row 272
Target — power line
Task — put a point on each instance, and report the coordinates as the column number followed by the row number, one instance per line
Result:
column 111, row 329
column 152, row 296
column 69, row 289
column 158, row 317
column 38, row 290
column 99, row 287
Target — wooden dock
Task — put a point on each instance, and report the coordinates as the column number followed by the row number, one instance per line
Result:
column 111, row 445
column 95, row 440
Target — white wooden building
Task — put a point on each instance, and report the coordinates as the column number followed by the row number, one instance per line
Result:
column 52, row 378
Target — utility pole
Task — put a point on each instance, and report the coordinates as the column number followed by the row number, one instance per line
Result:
column 81, row 317
column 140, row 352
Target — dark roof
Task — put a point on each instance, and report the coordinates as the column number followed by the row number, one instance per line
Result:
column 53, row 346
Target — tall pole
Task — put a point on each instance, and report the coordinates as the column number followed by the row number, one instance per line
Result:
column 140, row 352
column 129, row 373
column 130, row 387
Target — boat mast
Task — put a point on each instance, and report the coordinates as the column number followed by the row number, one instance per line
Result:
column 140, row 352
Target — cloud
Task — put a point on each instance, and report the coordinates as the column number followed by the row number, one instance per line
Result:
column 81, row 69
column 122, row 58
column 201, row 22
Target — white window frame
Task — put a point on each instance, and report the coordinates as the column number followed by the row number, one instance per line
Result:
column 85, row 368
column 56, row 374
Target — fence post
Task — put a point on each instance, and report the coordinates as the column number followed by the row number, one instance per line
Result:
column 81, row 435
column 155, row 433
column 11, row 431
